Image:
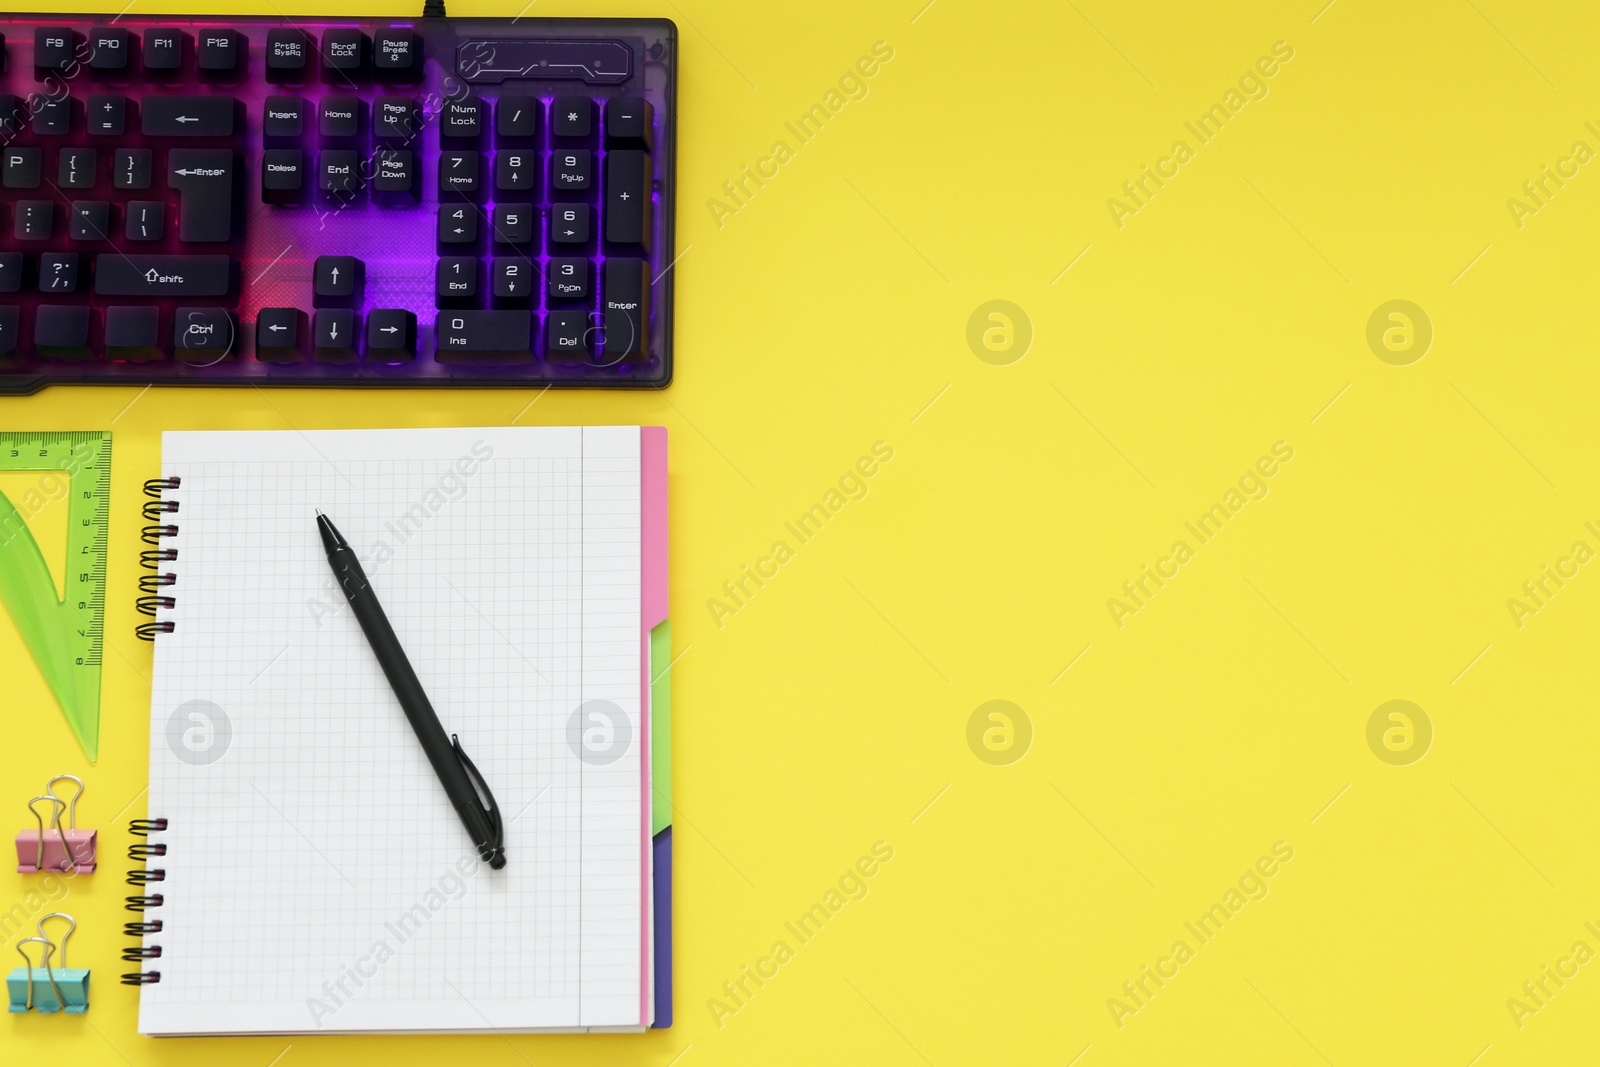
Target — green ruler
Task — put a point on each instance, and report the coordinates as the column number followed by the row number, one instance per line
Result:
column 65, row 635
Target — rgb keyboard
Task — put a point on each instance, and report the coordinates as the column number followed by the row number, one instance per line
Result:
column 238, row 200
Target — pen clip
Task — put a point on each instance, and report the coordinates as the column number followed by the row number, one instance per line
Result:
column 492, row 812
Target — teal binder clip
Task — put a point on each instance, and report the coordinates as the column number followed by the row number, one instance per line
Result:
column 58, row 989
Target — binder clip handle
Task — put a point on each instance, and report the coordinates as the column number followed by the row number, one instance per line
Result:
column 49, row 950
column 55, row 824
column 72, row 928
column 72, row 808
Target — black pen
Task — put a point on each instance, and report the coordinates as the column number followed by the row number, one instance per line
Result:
column 462, row 782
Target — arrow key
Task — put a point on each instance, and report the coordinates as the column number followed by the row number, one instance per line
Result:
column 334, row 333
column 458, row 224
column 336, row 277
column 278, row 335
column 569, row 224
column 391, row 336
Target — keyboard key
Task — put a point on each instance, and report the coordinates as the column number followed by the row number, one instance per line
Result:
column 462, row 119
column 58, row 272
column 571, row 170
column 146, row 220
column 75, row 168
column 10, row 329
column 517, row 118
column 202, row 335
column 283, row 176
column 514, row 172
column 288, row 54
column 53, row 118
column 335, row 276
column 204, row 178
column 163, row 51
column 456, row 281
column 394, row 118
column 187, row 116
column 10, row 272
column 333, row 331
column 62, row 332
column 630, row 123
column 339, row 117
column 511, row 281
column 53, row 50
column 391, row 336
column 89, row 220
column 278, row 333
column 394, row 176
column 397, row 56
column 567, row 278
column 458, row 174
column 628, row 181
column 107, row 114
column 283, row 116
column 108, row 49
column 339, row 173
column 627, row 309
column 138, row 274
column 572, row 116
column 35, row 220
column 484, row 337
column 458, row 225
column 220, row 53
column 567, row 334
column 569, row 224
column 130, row 168
column 133, row 333
column 513, row 224
column 344, row 55
column 10, row 118
column 21, row 168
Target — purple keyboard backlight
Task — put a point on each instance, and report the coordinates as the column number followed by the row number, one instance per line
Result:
column 128, row 221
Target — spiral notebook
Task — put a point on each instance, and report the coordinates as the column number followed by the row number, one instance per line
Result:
column 303, row 869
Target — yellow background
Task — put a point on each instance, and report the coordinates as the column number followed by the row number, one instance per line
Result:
column 831, row 711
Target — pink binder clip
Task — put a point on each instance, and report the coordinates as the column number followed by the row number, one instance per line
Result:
column 56, row 847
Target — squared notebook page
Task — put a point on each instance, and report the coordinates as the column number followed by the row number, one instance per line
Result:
column 317, row 878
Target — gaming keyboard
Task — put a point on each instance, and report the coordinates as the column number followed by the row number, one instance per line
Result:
column 271, row 201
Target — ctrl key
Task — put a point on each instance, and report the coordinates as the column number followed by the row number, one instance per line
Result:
column 202, row 336
column 61, row 332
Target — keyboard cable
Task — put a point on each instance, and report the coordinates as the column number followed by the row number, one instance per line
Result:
column 433, row 9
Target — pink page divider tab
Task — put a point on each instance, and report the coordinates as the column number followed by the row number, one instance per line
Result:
column 652, row 612
column 653, row 525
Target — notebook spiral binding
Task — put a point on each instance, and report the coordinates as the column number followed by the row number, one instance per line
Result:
column 144, row 852
column 151, row 585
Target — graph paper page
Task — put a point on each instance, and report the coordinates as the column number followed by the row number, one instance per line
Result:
column 318, row 879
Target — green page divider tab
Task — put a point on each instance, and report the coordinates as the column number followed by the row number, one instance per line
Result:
column 66, row 635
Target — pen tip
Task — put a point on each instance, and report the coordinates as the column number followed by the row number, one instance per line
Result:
column 318, row 511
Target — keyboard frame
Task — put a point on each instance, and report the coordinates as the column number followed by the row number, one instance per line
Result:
column 654, row 42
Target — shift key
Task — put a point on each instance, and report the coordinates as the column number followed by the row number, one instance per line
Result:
column 187, row 116
column 119, row 274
